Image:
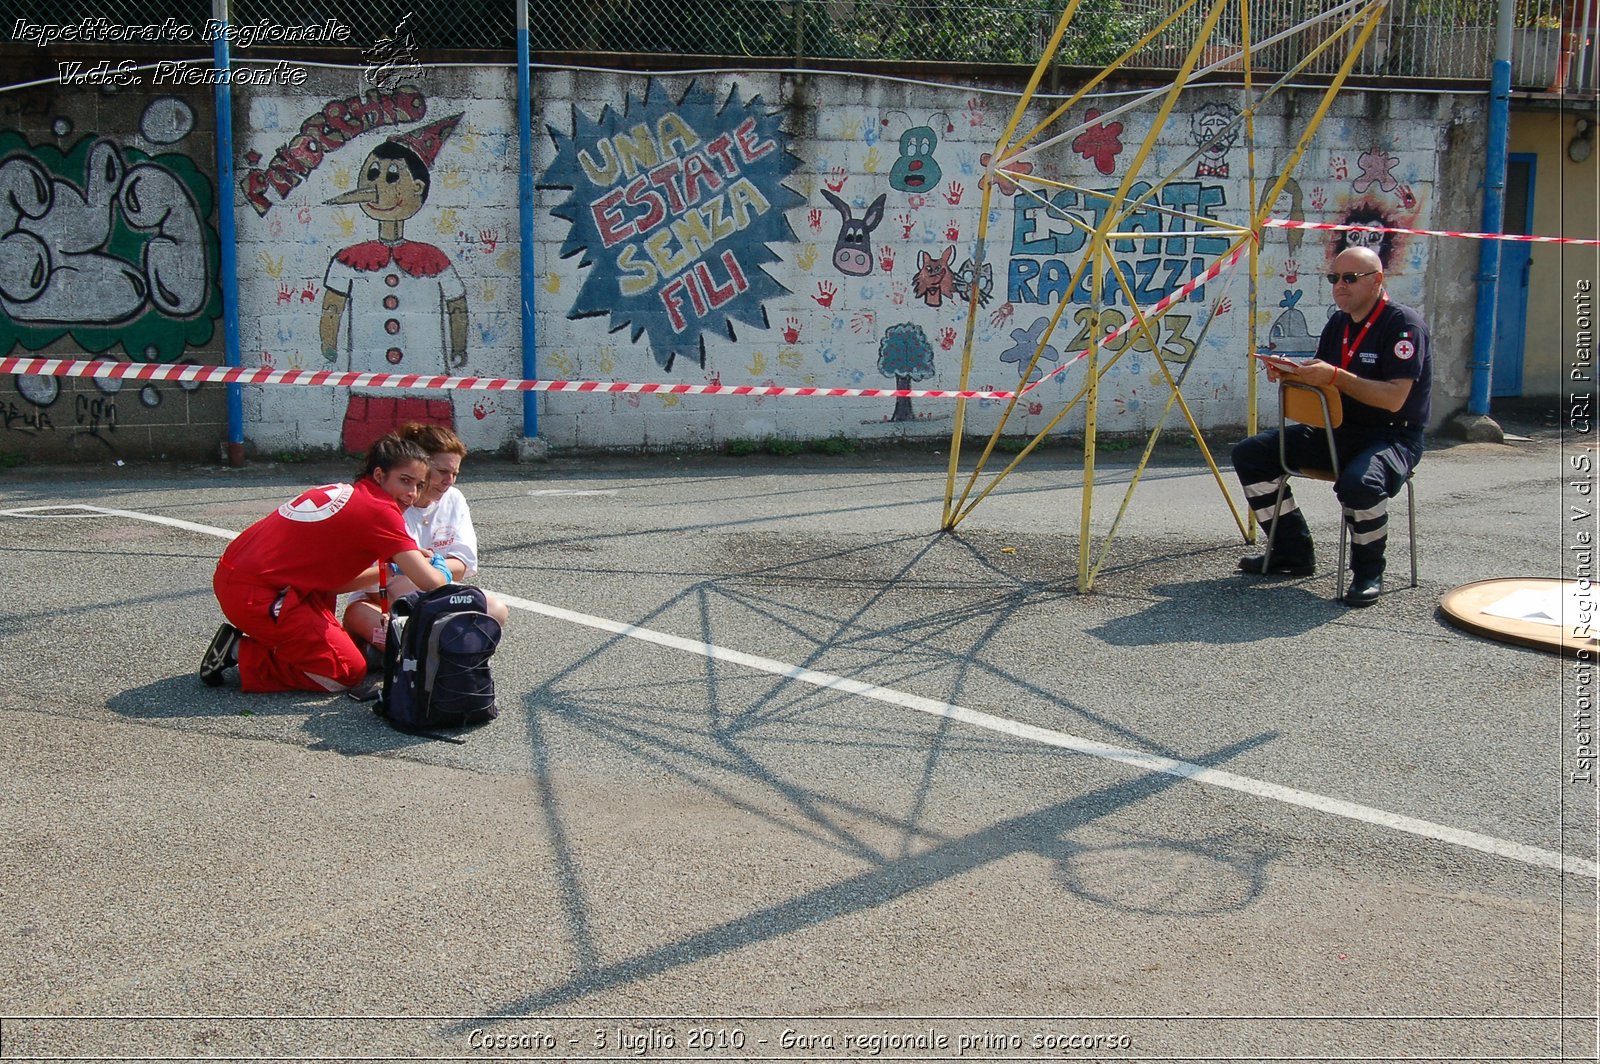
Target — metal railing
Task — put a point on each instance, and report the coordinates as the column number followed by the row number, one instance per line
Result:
column 1553, row 47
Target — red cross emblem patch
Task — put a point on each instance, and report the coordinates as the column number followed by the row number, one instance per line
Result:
column 317, row 504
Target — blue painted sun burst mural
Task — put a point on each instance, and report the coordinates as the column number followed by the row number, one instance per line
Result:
column 673, row 207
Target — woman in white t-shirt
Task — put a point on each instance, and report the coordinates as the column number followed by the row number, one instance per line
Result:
column 440, row 522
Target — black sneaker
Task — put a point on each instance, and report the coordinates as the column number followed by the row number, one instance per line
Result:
column 1282, row 565
column 222, row 654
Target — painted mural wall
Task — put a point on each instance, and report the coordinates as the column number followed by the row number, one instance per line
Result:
column 108, row 249
column 377, row 232
column 821, row 232
column 757, row 228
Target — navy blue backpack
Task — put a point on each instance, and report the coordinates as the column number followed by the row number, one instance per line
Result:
column 436, row 660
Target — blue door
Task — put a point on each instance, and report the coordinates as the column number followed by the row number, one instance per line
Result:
column 1516, row 259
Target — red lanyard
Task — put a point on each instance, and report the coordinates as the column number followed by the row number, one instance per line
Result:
column 1346, row 348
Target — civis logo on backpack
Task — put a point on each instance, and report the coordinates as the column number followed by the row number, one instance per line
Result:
column 436, row 661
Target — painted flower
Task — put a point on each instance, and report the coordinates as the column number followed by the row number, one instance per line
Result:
column 1004, row 174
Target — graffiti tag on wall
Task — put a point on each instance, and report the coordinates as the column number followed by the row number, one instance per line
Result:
column 107, row 244
column 94, row 415
column 672, row 207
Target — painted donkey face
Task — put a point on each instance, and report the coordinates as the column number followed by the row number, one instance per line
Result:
column 852, row 252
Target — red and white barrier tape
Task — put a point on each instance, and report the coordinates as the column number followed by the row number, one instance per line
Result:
column 1284, row 223
column 186, row 373
column 191, row 374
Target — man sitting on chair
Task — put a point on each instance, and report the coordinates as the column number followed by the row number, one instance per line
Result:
column 1375, row 353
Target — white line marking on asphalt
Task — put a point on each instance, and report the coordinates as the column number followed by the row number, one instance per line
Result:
column 1149, row 762
column 1471, row 840
column 43, row 512
column 573, row 491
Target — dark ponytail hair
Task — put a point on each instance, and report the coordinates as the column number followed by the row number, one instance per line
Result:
column 390, row 451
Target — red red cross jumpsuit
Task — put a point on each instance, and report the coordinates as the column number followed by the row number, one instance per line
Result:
column 276, row 583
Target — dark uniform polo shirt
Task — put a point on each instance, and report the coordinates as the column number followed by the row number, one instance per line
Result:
column 1395, row 346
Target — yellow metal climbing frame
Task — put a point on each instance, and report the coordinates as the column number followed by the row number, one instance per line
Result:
column 1346, row 25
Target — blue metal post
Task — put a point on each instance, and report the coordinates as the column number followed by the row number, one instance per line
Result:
column 1494, row 195
column 530, row 350
column 228, row 265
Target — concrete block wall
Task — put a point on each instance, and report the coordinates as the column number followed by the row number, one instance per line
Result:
column 1378, row 158
column 741, row 228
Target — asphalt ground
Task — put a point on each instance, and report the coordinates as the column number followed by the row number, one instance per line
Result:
column 786, row 772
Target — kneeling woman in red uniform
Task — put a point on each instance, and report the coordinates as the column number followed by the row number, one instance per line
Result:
column 278, row 582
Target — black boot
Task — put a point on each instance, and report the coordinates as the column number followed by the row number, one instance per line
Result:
column 1292, row 552
column 1366, row 566
column 1364, row 589
column 1300, row 562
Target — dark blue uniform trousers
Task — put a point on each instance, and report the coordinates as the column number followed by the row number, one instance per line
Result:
column 1375, row 465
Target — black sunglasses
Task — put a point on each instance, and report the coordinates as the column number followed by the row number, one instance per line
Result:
column 1348, row 278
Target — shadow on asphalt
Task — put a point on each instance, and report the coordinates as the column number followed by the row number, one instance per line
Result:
column 1043, row 831
column 174, row 697
column 1225, row 611
column 1128, row 872
column 333, row 723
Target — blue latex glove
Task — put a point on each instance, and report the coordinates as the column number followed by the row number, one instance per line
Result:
column 437, row 561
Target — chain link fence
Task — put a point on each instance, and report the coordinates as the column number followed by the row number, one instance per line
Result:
column 1553, row 45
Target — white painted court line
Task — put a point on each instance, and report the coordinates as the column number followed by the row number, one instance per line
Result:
column 1471, row 840
column 1149, row 762
column 46, row 512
